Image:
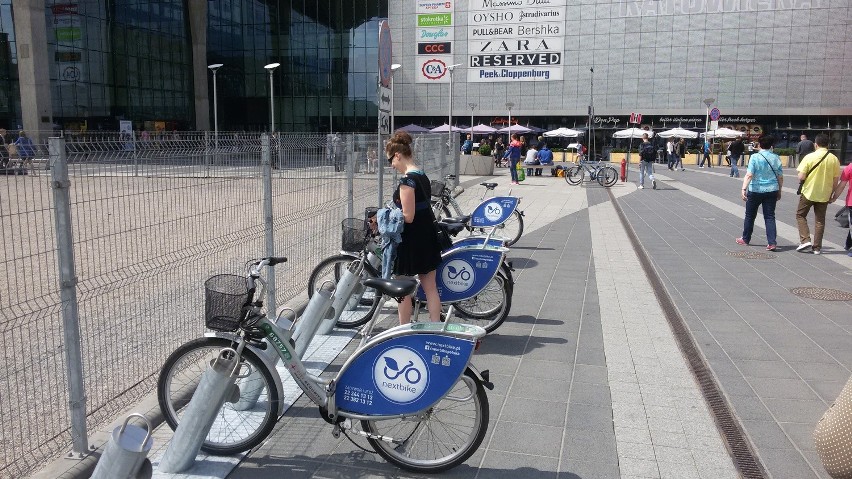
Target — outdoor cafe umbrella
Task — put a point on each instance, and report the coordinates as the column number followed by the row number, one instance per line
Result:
column 445, row 128
column 678, row 133
column 632, row 133
column 480, row 129
column 520, row 129
column 535, row 129
column 723, row 133
column 412, row 128
column 563, row 133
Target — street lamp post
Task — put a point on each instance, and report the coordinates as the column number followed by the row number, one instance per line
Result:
column 707, row 102
column 213, row 68
column 450, row 142
column 472, row 107
column 271, row 68
column 509, row 106
column 394, row 67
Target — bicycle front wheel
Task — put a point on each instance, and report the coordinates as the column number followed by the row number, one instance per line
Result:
column 490, row 307
column 510, row 230
column 359, row 310
column 607, row 176
column 446, row 435
column 251, row 406
column 574, row 175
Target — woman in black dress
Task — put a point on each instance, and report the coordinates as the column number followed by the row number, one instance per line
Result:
column 418, row 253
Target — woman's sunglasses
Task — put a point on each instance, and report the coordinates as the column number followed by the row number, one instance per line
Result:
column 390, row 157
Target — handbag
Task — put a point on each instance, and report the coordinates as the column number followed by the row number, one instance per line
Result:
column 833, row 436
column 802, row 181
column 521, row 174
column 442, row 233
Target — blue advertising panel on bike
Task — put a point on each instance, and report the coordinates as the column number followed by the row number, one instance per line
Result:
column 402, row 375
column 493, row 211
column 476, row 241
column 464, row 273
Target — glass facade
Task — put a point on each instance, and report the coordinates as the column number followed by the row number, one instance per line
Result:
column 10, row 99
column 114, row 60
column 328, row 55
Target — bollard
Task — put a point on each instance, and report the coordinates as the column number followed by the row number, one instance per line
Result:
column 316, row 310
column 125, row 453
column 216, row 383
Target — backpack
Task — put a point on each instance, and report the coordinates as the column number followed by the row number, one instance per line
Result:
column 647, row 152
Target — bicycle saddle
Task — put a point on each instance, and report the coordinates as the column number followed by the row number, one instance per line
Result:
column 395, row 288
column 453, row 228
column 456, row 219
column 490, row 186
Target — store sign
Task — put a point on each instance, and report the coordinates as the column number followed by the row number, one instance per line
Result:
column 434, row 38
column 642, row 8
column 516, row 40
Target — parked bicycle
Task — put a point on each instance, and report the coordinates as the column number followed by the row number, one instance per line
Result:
column 605, row 175
column 410, row 391
column 445, row 197
column 488, row 308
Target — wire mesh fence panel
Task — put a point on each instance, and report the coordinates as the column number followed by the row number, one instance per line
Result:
column 151, row 221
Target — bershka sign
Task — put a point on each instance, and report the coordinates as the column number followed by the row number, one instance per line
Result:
column 434, row 39
column 515, row 40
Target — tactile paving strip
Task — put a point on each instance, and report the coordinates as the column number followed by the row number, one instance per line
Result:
column 825, row 294
column 750, row 255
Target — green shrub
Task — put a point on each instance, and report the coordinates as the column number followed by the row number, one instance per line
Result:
column 485, row 150
column 784, row 151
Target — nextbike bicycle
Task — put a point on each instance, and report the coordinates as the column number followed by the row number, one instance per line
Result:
column 605, row 175
column 444, row 197
column 489, row 308
column 426, row 416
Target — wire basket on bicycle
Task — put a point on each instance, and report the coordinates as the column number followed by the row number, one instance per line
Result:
column 355, row 234
column 437, row 188
column 224, row 298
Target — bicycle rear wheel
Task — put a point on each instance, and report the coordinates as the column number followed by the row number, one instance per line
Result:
column 357, row 313
column 490, row 307
column 510, row 230
column 250, row 409
column 574, row 175
column 607, row 176
column 448, row 433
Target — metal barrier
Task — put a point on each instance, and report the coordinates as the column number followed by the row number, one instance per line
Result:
column 147, row 221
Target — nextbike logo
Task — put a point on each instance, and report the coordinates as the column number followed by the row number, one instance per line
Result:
column 458, row 275
column 400, row 375
column 493, row 211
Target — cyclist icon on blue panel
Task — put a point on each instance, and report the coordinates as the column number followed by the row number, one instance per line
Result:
column 463, row 273
column 400, row 375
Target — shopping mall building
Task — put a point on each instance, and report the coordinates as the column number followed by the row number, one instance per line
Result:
column 768, row 65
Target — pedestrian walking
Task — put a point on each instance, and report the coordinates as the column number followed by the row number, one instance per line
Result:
column 706, row 156
column 680, row 154
column 804, row 147
column 499, row 148
column 735, row 150
column 762, row 188
column 646, row 165
column 845, row 178
column 514, row 154
column 819, row 173
column 467, row 146
column 670, row 153
column 26, row 151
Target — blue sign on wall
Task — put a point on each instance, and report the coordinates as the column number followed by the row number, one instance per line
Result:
column 493, row 211
column 403, row 375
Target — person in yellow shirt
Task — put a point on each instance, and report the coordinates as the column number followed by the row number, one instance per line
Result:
column 820, row 172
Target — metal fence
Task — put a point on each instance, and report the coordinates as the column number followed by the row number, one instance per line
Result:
column 150, row 220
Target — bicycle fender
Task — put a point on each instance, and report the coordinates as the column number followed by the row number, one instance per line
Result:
column 484, row 376
column 269, row 357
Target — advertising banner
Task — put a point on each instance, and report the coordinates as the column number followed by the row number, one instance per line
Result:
column 402, row 375
column 464, row 273
column 433, row 69
column 434, row 40
column 516, row 40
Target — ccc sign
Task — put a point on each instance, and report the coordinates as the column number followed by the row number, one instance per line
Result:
column 434, row 48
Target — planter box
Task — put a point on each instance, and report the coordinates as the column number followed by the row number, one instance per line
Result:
column 617, row 157
column 476, row 165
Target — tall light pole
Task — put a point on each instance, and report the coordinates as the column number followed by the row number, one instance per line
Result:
column 271, row 68
column 707, row 102
column 213, row 68
column 509, row 106
column 394, row 67
column 450, row 142
column 472, row 107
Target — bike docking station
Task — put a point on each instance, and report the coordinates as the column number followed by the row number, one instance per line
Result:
column 315, row 319
column 216, row 386
column 126, row 452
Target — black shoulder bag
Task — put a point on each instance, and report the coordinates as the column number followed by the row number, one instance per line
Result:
column 445, row 241
column 802, row 181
